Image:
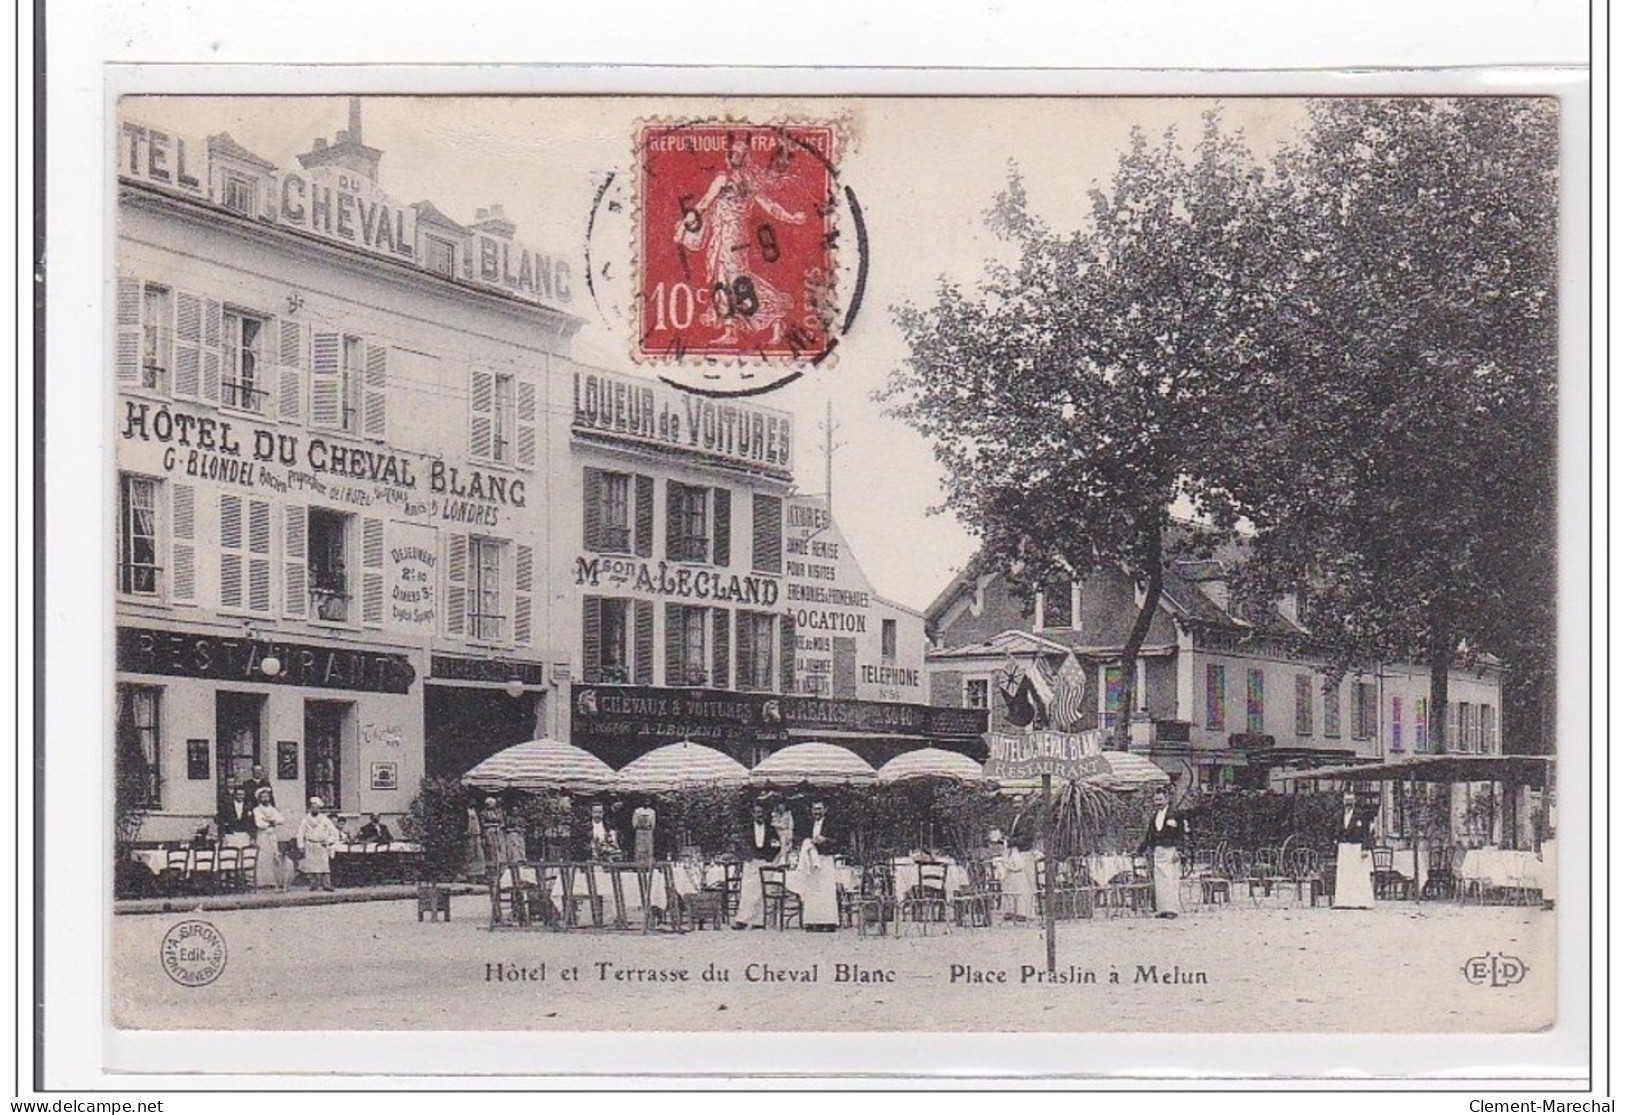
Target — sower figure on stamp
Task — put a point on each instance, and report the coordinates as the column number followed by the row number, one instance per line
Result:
column 718, row 225
column 1354, row 839
column 1165, row 838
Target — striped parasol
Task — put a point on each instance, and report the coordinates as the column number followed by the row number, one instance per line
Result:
column 678, row 765
column 542, row 765
column 821, row 764
column 1128, row 772
column 931, row 762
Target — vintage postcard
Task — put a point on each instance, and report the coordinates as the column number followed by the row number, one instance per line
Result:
column 1048, row 564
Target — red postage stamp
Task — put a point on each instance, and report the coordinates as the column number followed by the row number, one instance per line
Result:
column 736, row 238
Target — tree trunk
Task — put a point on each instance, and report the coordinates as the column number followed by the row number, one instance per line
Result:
column 1128, row 664
column 1440, row 657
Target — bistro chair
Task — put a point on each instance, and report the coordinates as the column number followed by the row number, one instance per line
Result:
column 248, row 862
column 927, row 900
column 733, row 874
column 228, row 874
column 876, row 901
column 974, row 902
column 1386, row 882
column 203, row 877
column 781, row 906
column 1441, row 878
column 177, row 865
column 1268, row 875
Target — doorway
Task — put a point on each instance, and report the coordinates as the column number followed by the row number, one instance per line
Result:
column 239, row 725
column 327, row 726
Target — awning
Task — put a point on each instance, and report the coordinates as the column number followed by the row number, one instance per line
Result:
column 1521, row 770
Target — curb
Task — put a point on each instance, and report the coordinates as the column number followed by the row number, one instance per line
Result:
column 186, row 904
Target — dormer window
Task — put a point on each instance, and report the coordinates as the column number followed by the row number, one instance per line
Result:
column 238, row 194
column 1055, row 604
column 440, row 256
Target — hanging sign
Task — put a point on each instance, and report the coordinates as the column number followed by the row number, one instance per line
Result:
column 1063, row 754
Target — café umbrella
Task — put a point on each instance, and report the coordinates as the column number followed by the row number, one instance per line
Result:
column 931, row 762
column 817, row 764
column 679, row 765
column 542, row 766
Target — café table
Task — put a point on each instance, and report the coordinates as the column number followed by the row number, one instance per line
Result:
column 817, row 880
column 906, row 874
column 1017, row 873
column 1511, row 868
column 599, row 881
column 361, row 863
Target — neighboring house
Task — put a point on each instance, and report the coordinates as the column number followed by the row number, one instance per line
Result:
column 1222, row 699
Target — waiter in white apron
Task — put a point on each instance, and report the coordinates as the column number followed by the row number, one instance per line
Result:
column 1165, row 836
column 1354, row 839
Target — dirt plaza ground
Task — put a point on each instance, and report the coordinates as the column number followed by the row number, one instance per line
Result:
column 1402, row 967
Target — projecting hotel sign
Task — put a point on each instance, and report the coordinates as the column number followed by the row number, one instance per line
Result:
column 1064, row 754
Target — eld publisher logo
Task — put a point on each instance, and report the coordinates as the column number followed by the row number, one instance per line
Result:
column 1496, row 970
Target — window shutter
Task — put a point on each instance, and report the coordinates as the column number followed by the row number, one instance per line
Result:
column 521, row 593
column 372, row 571
column 674, row 520
column 375, row 393
column 1451, row 727
column 183, row 544
column 592, row 510
column 591, row 641
column 481, row 399
column 259, row 555
column 643, row 641
column 231, row 550
column 722, row 528
column 644, row 516
column 324, row 380
column 719, row 648
column 787, row 653
column 767, row 534
column 127, row 357
column 295, row 589
column 674, row 646
column 1491, row 742
column 525, row 394
column 188, row 344
column 456, row 583
column 290, row 358
column 212, row 355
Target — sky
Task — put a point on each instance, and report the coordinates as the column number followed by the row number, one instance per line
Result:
column 925, row 171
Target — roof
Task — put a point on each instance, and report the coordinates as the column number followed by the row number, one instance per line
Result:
column 1523, row 770
column 894, row 605
column 427, row 211
column 223, row 144
column 1008, row 643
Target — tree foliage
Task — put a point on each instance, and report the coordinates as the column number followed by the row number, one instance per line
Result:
column 1074, row 396
column 1398, row 455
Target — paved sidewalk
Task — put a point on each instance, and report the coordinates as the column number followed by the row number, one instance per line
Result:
column 266, row 899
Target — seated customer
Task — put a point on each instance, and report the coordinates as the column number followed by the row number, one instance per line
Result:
column 374, row 832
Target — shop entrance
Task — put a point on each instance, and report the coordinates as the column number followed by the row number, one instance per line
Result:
column 462, row 725
column 239, row 724
column 327, row 725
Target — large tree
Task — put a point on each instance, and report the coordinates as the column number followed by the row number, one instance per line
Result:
column 1401, row 469
column 1073, row 398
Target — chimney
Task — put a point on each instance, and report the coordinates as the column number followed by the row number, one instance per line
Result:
column 354, row 131
column 347, row 151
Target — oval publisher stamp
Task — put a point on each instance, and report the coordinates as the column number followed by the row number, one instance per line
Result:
column 193, row 953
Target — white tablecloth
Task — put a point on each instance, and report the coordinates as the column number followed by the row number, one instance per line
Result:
column 1103, row 869
column 906, row 875
column 631, row 896
column 1017, row 873
column 1505, row 867
column 156, row 860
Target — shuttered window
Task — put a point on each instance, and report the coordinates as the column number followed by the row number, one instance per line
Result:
column 1489, row 741
column 291, row 363
column 643, row 642
column 755, row 658
column 687, row 522
column 720, row 643
column 1365, row 710
column 328, row 565
column 686, row 659
column 456, row 593
column 375, row 393
column 183, row 543
column 326, row 388
column 246, row 381
column 722, row 540
column 523, row 560
column 1396, row 724
column 481, row 414
column 1215, row 697
column 138, row 541
column 1333, row 716
column 146, row 334
column 198, row 331
column 501, row 418
column 1421, row 725
column 1255, row 702
column 372, row 571
column 245, row 553
column 1303, row 707
column 488, row 619
column 295, row 579
column 605, row 648
column 643, row 539
column 767, row 534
